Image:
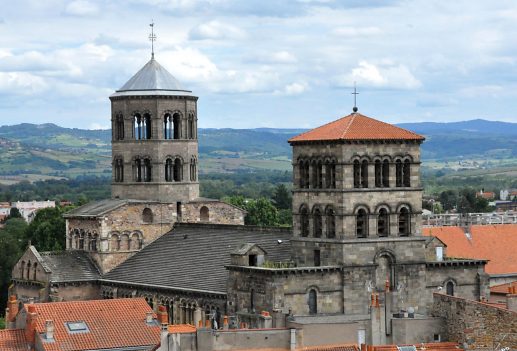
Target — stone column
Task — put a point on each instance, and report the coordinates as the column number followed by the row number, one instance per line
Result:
column 394, row 224
column 197, row 316
column 393, row 175
column 371, row 175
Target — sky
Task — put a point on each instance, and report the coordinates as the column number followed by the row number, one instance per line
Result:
column 263, row 63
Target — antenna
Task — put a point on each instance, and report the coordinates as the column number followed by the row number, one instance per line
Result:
column 152, row 38
column 355, row 93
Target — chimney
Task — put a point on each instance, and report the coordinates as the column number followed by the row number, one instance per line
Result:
column 163, row 317
column 165, row 331
column 49, row 330
column 30, row 326
column 12, row 304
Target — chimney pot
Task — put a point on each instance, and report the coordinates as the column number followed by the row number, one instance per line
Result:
column 163, row 317
column 31, row 300
column 149, row 317
column 49, row 329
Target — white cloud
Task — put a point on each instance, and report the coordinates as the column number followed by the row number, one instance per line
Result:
column 81, row 8
column 21, row 83
column 295, row 88
column 356, row 31
column 383, row 75
column 278, row 57
column 216, row 30
column 97, row 126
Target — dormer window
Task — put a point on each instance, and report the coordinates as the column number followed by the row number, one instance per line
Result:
column 77, row 327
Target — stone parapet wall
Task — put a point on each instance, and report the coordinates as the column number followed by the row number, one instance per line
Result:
column 218, row 213
column 476, row 325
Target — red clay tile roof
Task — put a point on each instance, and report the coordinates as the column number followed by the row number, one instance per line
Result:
column 343, row 347
column 502, row 288
column 434, row 346
column 181, row 328
column 13, row 340
column 496, row 243
column 356, row 127
column 111, row 323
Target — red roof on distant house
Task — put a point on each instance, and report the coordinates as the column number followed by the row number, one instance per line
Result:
column 496, row 243
column 502, row 288
column 340, row 347
column 13, row 340
column 356, row 127
column 434, row 346
column 489, row 195
column 114, row 323
column 181, row 328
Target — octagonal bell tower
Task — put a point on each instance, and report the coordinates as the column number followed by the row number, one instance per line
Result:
column 154, row 138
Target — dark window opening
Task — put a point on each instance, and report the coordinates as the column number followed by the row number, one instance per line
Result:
column 313, row 302
column 304, row 222
column 204, row 214
column 407, row 173
column 168, row 127
column 364, row 174
column 331, row 223
column 119, row 128
column 398, row 173
column 178, row 170
column 178, row 210
column 450, row 288
column 252, row 260
column 361, row 224
column 119, row 170
column 168, row 170
column 357, row 174
column 318, row 225
column 385, row 174
column 147, row 215
column 176, row 121
column 383, row 223
column 378, row 174
column 317, row 258
column 404, row 218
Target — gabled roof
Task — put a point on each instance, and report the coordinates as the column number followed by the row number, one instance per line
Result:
column 154, row 79
column 193, row 256
column 356, row 127
column 69, row 266
column 114, row 323
column 244, row 249
column 13, row 340
column 496, row 243
column 96, row 208
column 502, row 288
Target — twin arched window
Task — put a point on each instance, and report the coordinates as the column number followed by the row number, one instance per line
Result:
column 119, row 127
column 403, row 173
column 142, row 126
column 142, row 170
column 193, row 169
column 361, row 174
column 382, row 174
column 317, row 174
column 383, row 222
column 172, row 126
column 320, row 223
column 119, row 170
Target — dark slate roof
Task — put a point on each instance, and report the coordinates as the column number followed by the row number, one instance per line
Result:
column 69, row 266
column 193, row 256
column 100, row 208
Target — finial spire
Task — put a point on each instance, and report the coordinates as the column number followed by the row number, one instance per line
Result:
column 355, row 93
column 152, row 38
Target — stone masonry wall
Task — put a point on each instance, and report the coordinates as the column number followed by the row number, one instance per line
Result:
column 476, row 325
column 218, row 212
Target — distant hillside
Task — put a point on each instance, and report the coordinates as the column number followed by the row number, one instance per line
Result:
column 29, row 151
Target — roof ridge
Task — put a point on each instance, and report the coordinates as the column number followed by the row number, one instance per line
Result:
column 353, row 115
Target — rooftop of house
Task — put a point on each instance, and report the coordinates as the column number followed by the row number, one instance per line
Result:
column 13, row 340
column 181, row 328
column 194, row 256
column 502, row 288
column 69, row 266
column 96, row 324
column 356, row 127
column 495, row 243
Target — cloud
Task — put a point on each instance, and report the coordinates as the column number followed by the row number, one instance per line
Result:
column 81, row 8
column 21, row 83
column 351, row 32
column 98, row 126
column 295, row 88
column 382, row 75
column 278, row 57
column 216, row 31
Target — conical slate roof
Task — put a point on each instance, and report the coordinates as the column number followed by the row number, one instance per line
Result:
column 152, row 79
column 356, row 127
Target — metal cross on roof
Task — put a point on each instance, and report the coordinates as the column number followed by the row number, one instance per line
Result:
column 152, row 38
column 355, row 93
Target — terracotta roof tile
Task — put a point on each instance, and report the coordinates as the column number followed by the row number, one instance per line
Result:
column 111, row 324
column 442, row 346
column 502, row 288
column 340, row 347
column 181, row 328
column 356, row 127
column 13, row 340
column 496, row 243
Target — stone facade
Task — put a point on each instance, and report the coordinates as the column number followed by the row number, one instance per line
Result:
column 476, row 325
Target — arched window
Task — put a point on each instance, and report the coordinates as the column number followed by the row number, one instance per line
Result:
column 119, row 127
column 317, row 222
column 147, row 170
column 304, row 221
column 168, row 170
column 22, row 270
column 398, row 173
column 147, row 126
column 331, row 223
column 385, row 173
column 81, row 241
column 119, row 170
column 383, row 223
column 168, row 127
column 35, row 268
column 178, row 170
column 361, row 223
column 406, row 170
column 190, row 127
column 313, row 301
column 94, row 242
column 301, row 170
column 193, row 169
column 138, row 170
column 204, row 214
column 384, row 272
column 378, row 174
column 364, row 174
column 404, row 222
column 124, row 242
column 330, row 175
column 314, row 179
column 176, row 121
column 357, row 174
column 320, row 174
column 134, row 243
column 115, row 242
column 138, row 127
column 29, row 270
column 147, row 215
column 449, row 288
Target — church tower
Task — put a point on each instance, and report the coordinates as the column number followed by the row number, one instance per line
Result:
column 154, row 138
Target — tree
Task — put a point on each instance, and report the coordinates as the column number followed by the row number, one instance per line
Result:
column 47, row 231
column 282, row 197
column 261, row 212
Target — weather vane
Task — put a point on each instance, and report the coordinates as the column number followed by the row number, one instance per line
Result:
column 152, row 38
column 355, row 93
